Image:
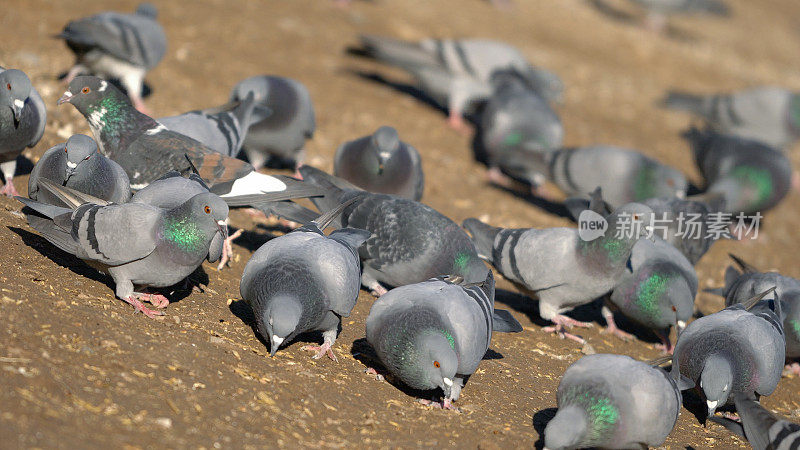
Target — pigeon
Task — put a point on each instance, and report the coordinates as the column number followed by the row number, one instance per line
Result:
column 763, row 430
column 457, row 73
column 767, row 114
column 750, row 176
column 305, row 281
column 558, row 266
column 410, row 243
column 22, row 120
column 740, row 349
column 381, row 163
column 77, row 164
column 135, row 243
column 613, row 401
column 517, row 126
column 283, row 133
column 117, row 46
column 434, row 334
column 658, row 10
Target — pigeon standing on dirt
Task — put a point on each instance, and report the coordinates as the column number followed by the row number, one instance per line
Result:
column 435, row 333
column 763, row 430
column 119, row 46
column 457, row 73
column 381, row 163
column 283, row 133
column 77, row 164
column 658, row 10
column 304, row 281
column 22, row 120
column 613, row 401
column 767, row 114
column 740, row 349
column 559, row 267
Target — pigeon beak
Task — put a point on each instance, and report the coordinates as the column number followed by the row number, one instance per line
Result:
column 223, row 228
column 712, row 406
column 17, row 110
column 276, row 342
column 65, row 98
column 71, row 166
column 681, row 325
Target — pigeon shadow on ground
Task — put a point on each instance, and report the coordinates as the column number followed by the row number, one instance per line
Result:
column 147, row 90
column 540, row 421
column 24, row 166
column 252, row 240
column 557, row 209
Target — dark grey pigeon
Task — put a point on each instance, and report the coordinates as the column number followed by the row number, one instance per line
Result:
column 763, row 430
column 284, row 132
column 613, row 401
column 435, row 333
column 22, row 120
column 559, row 267
column 767, row 114
column 381, row 163
column 304, row 281
column 77, row 164
column 119, row 46
column 136, row 244
column 749, row 176
column 457, row 73
column 740, row 349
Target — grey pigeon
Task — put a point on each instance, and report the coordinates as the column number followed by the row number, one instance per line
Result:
column 434, row 334
column 517, row 125
column 118, row 46
column 77, row 164
column 659, row 10
column 763, row 430
column 559, row 267
column 767, row 114
column 410, row 243
column 381, row 163
column 283, row 133
column 304, row 281
column 22, row 120
column 135, row 243
column 613, row 401
column 749, row 176
column 223, row 129
column 740, row 349
column 457, row 73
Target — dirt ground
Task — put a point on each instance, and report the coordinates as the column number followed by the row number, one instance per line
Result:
column 78, row 369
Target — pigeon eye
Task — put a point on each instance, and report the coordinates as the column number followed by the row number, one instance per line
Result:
column 87, row 158
column 86, row 90
column 636, row 217
column 8, row 86
column 436, row 364
column 65, row 149
column 207, row 209
column 674, row 309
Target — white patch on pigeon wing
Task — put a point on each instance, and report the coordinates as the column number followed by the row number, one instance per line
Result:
column 255, row 183
column 155, row 130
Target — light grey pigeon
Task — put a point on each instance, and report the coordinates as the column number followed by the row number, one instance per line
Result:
column 740, row 349
column 304, row 281
column 119, row 46
column 283, row 133
column 223, row 129
column 613, row 401
column 22, row 120
column 558, row 266
column 658, row 10
column 381, row 163
column 135, row 243
column 763, row 430
column 517, row 126
column 435, row 333
column 767, row 114
column 457, row 73
column 77, row 164
column 749, row 175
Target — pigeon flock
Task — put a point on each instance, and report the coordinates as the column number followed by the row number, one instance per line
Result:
column 146, row 201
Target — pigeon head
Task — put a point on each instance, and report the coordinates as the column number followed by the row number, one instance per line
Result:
column 438, row 359
column 259, row 86
column 98, row 100
column 279, row 320
column 15, row 88
column 567, row 429
column 657, row 180
column 191, row 226
column 386, row 143
column 716, row 381
column 80, row 149
column 147, row 10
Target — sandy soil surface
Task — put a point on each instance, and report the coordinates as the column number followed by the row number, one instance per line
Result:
column 78, row 369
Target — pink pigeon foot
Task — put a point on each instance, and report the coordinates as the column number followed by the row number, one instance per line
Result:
column 445, row 404
column 614, row 330
column 544, row 192
column 792, row 369
column 324, row 349
column 157, row 300
column 139, row 307
column 378, row 290
column 496, row 176
column 141, row 107
column 562, row 323
column 372, row 371
column 227, row 249
column 9, row 189
column 456, row 122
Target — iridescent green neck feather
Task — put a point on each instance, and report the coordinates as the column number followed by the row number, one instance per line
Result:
column 649, row 293
column 184, row 234
column 757, row 178
column 644, row 185
column 603, row 414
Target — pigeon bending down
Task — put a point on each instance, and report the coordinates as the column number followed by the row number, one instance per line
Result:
column 304, row 281
column 740, row 349
column 283, row 133
column 559, row 267
column 116, row 45
column 22, row 120
column 613, row 401
column 410, row 243
column 78, row 165
column 381, row 163
column 767, row 114
column 435, row 333
column 749, row 176
column 763, row 430
column 457, row 73
column 135, row 243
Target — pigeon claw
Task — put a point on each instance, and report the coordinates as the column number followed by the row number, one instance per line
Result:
column 139, row 307
column 9, row 190
column 372, row 371
column 446, row 403
column 792, row 370
column 324, row 349
column 227, row 249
